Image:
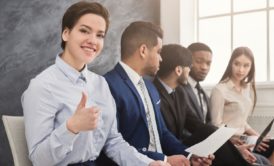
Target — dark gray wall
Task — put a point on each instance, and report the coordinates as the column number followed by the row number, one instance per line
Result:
column 30, row 40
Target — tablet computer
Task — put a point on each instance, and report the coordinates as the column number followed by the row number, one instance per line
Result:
column 264, row 133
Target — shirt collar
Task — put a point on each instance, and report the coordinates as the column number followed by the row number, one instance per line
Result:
column 192, row 82
column 133, row 75
column 69, row 71
column 231, row 85
column 168, row 88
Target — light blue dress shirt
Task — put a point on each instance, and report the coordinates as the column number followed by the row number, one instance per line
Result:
column 51, row 98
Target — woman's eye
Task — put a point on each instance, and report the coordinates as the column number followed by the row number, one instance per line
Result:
column 84, row 31
column 101, row 36
column 246, row 65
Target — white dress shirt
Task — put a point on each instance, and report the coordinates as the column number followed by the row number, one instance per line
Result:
column 154, row 143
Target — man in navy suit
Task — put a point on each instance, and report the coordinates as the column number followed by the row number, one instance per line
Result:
column 137, row 100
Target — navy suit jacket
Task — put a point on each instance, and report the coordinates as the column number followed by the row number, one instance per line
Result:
column 131, row 118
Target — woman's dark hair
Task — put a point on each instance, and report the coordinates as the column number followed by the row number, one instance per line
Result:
column 77, row 10
column 250, row 78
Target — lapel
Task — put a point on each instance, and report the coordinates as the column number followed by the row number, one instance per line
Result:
column 119, row 69
column 194, row 101
column 164, row 94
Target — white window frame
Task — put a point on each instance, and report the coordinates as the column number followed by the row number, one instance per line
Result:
column 231, row 14
column 175, row 10
column 184, row 13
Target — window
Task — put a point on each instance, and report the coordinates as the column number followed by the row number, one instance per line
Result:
column 220, row 27
column 232, row 23
column 271, row 3
column 271, row 40
column 250, row 30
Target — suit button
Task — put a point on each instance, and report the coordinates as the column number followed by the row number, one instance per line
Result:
column 144, row 149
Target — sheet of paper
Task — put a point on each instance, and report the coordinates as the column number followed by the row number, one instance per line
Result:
column 212, row 143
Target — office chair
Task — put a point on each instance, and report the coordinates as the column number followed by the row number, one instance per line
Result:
column 15, row 129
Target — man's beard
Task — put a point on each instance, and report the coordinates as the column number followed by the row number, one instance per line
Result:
column 182, row 81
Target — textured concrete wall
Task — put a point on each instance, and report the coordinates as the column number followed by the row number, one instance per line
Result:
column 30, row 40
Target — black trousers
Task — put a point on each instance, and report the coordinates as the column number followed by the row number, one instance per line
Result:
column 226, row 155
column 269, row 151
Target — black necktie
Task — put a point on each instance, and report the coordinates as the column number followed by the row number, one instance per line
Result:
column 172, row 94
column 200, row 93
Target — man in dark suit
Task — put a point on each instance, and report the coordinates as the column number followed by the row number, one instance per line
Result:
column 198, row 99
column 176, row 108
column 137, row 100
column 201, row 62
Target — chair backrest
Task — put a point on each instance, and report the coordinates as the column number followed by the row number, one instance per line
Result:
column 15, row 129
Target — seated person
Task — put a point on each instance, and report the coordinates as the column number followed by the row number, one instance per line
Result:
column 176, row 108
column 201, row 62
column 137, row 100
column 63, row 125
column 234, row 98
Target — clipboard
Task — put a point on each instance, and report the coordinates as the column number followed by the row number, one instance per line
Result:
column 263, row 134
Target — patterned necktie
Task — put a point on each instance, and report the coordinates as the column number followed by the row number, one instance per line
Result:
column 152, row 126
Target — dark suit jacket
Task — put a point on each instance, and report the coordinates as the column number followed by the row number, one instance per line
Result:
column 194, row 102
column 131, row 116
column 179, row 116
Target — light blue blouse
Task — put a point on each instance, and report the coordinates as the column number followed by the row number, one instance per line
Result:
column 51, row 98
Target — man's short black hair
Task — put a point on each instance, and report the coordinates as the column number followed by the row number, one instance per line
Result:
column 174, row 55
column 194, row 47
column 138, row 33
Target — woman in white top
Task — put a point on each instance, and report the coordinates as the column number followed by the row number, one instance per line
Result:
column 234, row 98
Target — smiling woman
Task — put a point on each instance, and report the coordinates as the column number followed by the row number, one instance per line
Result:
column 66, row 121
column 84, row 41
column 30, row 39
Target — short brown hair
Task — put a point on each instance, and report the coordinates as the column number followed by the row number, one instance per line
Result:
column 138, row 33
column 75, row 11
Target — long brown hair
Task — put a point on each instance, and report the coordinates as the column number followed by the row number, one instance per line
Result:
column 250, row 78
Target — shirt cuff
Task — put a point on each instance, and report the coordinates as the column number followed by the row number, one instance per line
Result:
column 165, row 159
column 64, row 135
